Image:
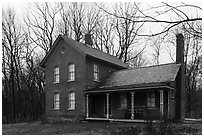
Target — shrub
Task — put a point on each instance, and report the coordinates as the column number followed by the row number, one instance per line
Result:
column 161, row 127
column 43, row 119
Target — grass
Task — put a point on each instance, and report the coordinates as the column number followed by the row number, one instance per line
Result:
column 90, row 128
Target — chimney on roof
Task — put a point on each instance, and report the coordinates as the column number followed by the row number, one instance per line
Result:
column 180, row 79
column 88, row 39
column 179, row 49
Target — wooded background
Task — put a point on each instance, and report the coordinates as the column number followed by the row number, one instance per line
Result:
column 136, row 34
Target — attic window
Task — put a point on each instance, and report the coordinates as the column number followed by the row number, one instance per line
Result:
column 96, row 73
column 62, row 49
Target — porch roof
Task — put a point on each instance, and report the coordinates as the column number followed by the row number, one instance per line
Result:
column 145, row 77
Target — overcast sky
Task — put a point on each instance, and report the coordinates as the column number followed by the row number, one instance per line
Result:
column 21, row 9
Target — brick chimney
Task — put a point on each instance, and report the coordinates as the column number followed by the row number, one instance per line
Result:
column 180, row 79
column 88, row 39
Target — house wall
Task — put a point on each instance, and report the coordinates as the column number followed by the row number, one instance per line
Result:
column 104, row 70
column 63, row 87
column 84, row 80
column 172, row 102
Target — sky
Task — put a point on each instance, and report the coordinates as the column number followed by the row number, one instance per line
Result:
column 21, row 8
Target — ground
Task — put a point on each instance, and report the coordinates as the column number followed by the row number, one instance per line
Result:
column 92, row 128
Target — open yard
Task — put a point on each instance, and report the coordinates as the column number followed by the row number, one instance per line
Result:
column 97, row 128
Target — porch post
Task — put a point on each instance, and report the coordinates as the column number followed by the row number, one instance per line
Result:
column 107, row 105
column 162, row 102
column 169, row 102
column 132, row 105
column 87, row 105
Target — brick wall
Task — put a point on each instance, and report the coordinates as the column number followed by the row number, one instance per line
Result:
column 104, row 70
column 63, row 87
column 83, row 79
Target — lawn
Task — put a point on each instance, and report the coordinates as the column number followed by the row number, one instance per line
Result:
column 90, row 128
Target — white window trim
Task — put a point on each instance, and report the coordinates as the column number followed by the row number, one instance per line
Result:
column 54, row 78
column 70, row 108
column 70, row 80
column 56, row 108
column 96, row 80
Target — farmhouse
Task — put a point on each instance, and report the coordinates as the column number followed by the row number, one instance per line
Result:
column 85, row 83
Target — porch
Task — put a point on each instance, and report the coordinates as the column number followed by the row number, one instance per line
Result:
column 130, row 106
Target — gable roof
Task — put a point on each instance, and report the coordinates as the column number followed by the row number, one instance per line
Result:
column 89, row 51
column 140, row 77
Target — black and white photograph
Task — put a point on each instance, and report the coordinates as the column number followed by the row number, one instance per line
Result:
column 101, row 68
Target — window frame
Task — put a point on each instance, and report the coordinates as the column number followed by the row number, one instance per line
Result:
column 151, row 100
column 56, row 101
column 96, row 73
column 71, row 101
column 71, row 72
column 56, row 74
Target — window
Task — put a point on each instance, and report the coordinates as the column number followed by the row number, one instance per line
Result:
column 150, row 100
column 71, row 72
column 123, row 101
column 56, row 101
column 71, row 99
column 56, row 75
column 96, row 73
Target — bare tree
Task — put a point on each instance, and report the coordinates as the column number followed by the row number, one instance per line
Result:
column 193, row 62
column 126, row 30
column 12, row 42
column 93, row 18
column 41, row 24
column 103, row 35
column 79, row 19
column 193, row 66
column 139, row 60
column 21, row 102
column 75, row 14
column 64, row 26
column 156, row 44
column 157, row 15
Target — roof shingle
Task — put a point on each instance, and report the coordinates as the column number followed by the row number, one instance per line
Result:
column 95, row 53
column 141, row 76
column 85, row 49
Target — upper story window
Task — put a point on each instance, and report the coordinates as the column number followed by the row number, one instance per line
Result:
column 150, row 100
column 71, row 72
column 96, row 73
column 71, row 101
column 56, row 101
column 123, row 100
column 56, row 75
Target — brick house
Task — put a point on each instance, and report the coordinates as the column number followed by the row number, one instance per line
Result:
column 82, row 82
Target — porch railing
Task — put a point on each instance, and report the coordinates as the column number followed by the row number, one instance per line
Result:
column 140, row 112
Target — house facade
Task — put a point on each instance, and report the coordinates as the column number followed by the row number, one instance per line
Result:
column 85, row 83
